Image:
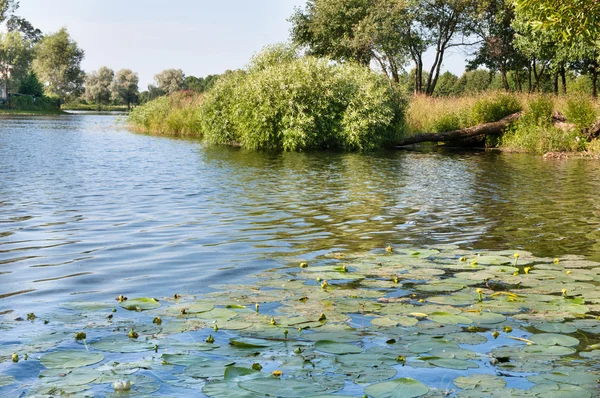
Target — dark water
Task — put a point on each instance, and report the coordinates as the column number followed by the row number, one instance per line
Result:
column 89, row 210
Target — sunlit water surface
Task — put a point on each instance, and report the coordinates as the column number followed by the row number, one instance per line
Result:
column 89, row 210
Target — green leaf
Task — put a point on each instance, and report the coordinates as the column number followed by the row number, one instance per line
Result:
column 140, row 304
column 70, row 359
column 398, row 388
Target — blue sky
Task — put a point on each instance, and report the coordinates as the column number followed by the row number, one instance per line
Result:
column 199, row 36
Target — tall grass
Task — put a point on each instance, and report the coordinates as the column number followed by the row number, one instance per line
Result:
column 176, row 115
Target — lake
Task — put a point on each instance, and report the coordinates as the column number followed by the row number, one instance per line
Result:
column 89, row 211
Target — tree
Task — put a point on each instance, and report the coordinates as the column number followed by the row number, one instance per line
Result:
column 97, row 86
column 386, row 31
column 170, row 80
column 7, row 7
column 446, row 84
column 31, row 85
column 574, row 21
column 497, row 52
column 15, row 56
column 124, row 88
column 18, row 24
column 58, row 64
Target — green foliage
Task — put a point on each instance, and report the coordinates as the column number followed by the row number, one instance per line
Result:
column 580, row 111
column 200, row 84
column 300, row 104
column 447, row 122
column 15, row 56
column 536, row 133
column 491, row 109
column 176, row 114
column 31, row 85
column 29, row 103
column 58, row 62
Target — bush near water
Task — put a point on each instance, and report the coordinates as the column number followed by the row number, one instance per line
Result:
column 285, row 102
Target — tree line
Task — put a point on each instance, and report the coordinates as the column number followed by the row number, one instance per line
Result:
column 527, row 42
column 36, row 64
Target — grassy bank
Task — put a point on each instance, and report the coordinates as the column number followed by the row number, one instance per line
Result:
column 29, row 105
column 534, row 133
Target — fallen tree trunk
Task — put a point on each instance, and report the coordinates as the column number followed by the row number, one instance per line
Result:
column 456, row 135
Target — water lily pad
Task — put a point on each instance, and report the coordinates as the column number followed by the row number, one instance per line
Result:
column 207, row 369
column 333, row 347
column 184, row 359
column 122, row 344
column 450, row 363
column 6, row 380
column 549, row 339
column 450, row 319
column 140, row 304
column 485, row 317
column 399, row 388
column 70, row 359
column 281, row 387
column 480, row 382
column 249, row 343
column 551, row 327
column 554, row 390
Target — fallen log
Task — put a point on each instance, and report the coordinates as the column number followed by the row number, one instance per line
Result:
column 456, row 135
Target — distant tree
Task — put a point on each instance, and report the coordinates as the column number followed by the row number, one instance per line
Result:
column 15, row 57
column 58, row 64
column 170, row 80
column 153, row 92
column 473, row 82
column 97, row 86
column 446, row 84
column 18, row 24
column 200, row 84
column 31, row 85
column 124, row 88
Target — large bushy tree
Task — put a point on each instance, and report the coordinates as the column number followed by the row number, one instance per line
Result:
column 170, row 80
column 97, row 86
column 124, row 88
column 15, row 57
column 58, row 64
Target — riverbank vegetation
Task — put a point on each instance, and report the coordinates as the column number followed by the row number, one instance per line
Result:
column 283, row 101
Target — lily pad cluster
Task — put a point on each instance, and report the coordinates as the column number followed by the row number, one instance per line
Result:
column 398, row 322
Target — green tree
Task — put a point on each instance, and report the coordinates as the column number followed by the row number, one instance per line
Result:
column 97, row 86
column 571, row 22
column 497, row 51
column 15, row 57
column 18, row 24
column 473, row 82
column 446, row 84
column 170, row 80
column 7, row 7
column 31, row 85
column 58, row 64
column 124, row 88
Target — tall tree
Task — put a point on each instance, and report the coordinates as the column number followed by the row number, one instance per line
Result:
column 7, row 7
column 170, row 80
column 15, row 57
column 58, row 64
column 570, row 22
column 497, row 52
column 124, row 88
column 18, row 24
column 97, row 86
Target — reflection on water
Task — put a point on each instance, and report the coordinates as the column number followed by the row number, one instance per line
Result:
column 87, row 208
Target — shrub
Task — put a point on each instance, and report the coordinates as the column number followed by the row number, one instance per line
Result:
column 492, row 109
column 292, row 104
column 580, row 111
column 29, row 103
column 536, row 133
column 176, row 114
column 447, row 122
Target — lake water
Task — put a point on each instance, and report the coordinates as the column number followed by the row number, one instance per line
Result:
column 89, row 210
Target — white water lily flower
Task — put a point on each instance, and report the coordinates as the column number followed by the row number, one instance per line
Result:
column 122, row 385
